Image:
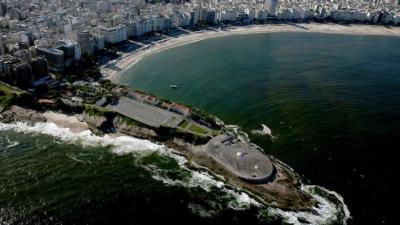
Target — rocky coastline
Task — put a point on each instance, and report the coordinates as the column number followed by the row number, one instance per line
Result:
column 282, row 191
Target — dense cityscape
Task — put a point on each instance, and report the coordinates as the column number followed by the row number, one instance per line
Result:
column 40, row 35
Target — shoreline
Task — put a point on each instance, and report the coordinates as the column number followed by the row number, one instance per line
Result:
column 309, row 197
column 66, row 121
column 129, row 59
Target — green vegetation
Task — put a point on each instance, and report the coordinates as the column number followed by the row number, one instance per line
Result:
column 130, row 122
column 11, row 95
column 6, row 100
column 86, row 70
column 197, row 129
column 66, row 107
column 96, row 111
column 184, row 124
column 199, row 115
column 107, row 84
column 7, row 89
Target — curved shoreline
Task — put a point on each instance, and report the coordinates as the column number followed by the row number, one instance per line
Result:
column 130, row 59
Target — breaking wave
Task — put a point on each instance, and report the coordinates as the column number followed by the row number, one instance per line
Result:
column 265, row 131
column 330, row 207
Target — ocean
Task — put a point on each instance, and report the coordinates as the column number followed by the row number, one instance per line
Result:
column 332, row 103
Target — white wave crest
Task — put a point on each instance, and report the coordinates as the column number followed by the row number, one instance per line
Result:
column 265, row 131
column 235, row 131
column 11, row 144
column 325, row 212
column 129, row 145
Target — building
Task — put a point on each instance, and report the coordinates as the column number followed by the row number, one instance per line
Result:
column 23, row 54
column 39, row 67
column 1, row 46
column 55, row 58
column 6, row 62
column 98, row 42
column 115, row 34
column 180, row 109
column 270, row 6
column 72, row 51
column 85, row 41
column 21, row 74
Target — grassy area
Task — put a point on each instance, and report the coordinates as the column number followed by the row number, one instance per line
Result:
column 8, row 89
column 8, row 95
column 6, row 100
column 184, row 124
column 197, row 129
column 96, row 111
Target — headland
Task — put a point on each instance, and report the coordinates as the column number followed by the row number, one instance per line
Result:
column 203, row 139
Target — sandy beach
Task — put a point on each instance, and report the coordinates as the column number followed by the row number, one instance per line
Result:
column 113, row 69
column 65, row 121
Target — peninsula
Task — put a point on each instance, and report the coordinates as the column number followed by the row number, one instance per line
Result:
column 201, row 138
column 59, row 61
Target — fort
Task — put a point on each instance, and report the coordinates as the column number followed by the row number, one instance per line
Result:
column 243, row 160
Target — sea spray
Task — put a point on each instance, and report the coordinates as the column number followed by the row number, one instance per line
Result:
column 330, row 205
column 129, row 145
column 265, row 131
column 325, row 212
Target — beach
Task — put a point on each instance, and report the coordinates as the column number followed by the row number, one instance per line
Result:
column 65, row 121
column 113, row 69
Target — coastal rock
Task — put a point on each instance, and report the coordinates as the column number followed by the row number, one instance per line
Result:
column 95, row 122
column 19, row 114
column 133, row 130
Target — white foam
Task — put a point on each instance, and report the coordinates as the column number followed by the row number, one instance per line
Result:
column 201, row 211
column 266, row 131
column 325, row 212
column 129, row 145
column 122, row 144
column 11, row 144
column 235, row 130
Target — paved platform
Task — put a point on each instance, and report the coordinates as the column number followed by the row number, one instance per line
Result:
column 243, row 160
column 147, row 114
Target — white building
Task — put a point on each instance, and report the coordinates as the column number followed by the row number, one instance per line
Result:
column 115, row 34
column 270, row 6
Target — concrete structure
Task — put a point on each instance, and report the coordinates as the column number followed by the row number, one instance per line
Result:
column 55, row 58
column 21, row 74
column 72, row 51
column 84, row 40
column 39, row 68
column 243, row 160
column 115, row 34
column 270, row 6
column 147, row 114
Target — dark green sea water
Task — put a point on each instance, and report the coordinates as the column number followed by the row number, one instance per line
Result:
column 331, row 101
column 49, row 175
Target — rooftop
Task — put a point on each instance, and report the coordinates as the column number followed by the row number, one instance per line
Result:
column 242, row 159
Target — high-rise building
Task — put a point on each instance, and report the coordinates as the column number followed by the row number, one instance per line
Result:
column 114, row 35
column 270, row 6
column 72, row 51
column 39, row 67
column 1, row 46
column 23, row 54
column 55, row 58
column 21, row 74
column 3, row 9
column 6, row 62
column 85, row 41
